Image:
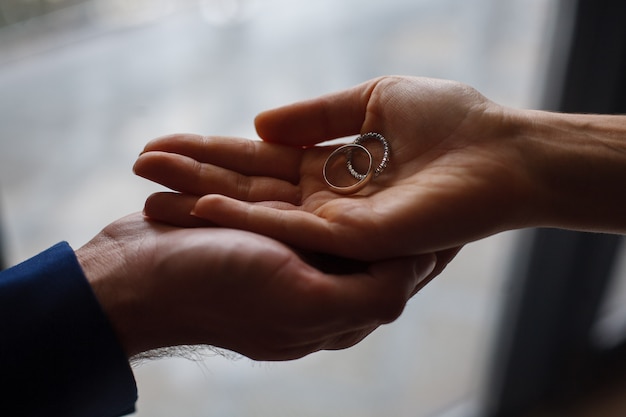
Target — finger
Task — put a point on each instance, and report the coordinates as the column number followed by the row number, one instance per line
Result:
column 348, row 339
column 310, row 344
column 339, row 234
column 297, row 228
column 174, row 209
column 248, row 157
column 442, row 259
column 186, row 175
column 425, row 270
column 378, row 296
column 313, row 121
column 350, row 306
column 360, row 301
column 401, row 277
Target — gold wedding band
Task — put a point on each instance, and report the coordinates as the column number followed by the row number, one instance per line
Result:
column 363, row 179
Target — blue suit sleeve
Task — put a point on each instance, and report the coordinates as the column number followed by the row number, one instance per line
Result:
column 58, row 353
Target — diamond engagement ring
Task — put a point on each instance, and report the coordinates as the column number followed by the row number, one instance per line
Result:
column 384, row 161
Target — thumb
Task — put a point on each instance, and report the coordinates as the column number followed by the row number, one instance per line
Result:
column 424, row 268
column 414, row 271
column 313, row 121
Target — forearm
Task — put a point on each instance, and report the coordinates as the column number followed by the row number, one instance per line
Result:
column 579, row 164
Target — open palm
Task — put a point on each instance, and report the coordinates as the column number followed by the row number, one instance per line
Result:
column 452, row 176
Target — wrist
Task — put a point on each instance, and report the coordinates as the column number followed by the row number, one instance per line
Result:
column 102, row 261
column 578, row 163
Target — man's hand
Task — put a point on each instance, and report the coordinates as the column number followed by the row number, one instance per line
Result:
column 165, row 286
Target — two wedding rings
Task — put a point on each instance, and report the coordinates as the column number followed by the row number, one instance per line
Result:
column 349, row 168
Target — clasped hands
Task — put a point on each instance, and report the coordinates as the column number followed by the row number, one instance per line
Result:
column 308, row 269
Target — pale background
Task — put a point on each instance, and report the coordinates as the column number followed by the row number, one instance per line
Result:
column 83, row 89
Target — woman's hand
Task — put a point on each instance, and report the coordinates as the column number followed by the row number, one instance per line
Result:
column 454, row 173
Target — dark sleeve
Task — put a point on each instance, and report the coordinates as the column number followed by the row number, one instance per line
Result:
column 58, row 353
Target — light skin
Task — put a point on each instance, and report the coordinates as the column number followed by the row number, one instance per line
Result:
column 461, row 168
column 165, row 286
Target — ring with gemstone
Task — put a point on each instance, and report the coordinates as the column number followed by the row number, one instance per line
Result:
column 384, row 161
